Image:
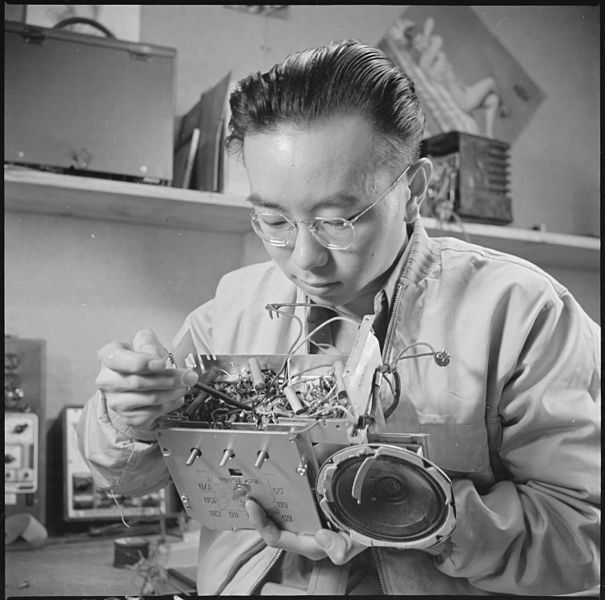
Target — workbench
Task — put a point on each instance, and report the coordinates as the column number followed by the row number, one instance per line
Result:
column 85, row 567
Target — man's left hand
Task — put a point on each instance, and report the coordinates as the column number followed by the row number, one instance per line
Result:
column 337, row 546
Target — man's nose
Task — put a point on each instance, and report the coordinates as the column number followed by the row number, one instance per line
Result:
column 307, row 252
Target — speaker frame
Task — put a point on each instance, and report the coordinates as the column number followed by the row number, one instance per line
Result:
column 435, row 534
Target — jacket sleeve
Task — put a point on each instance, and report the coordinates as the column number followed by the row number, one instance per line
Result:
column 537, row 530
column 123, row 459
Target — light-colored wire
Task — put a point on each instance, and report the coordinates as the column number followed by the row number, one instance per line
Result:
column 319, row 327
column 111, row 493
column 415, row 345
column 311, row 369
column 324, row 348
column 277, row 308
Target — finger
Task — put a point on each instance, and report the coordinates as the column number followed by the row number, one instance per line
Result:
column 136, row 413
column 275, row 537
column 147, row 341
column 120, row 357
column 109, row 380
column 261, row 522
column 155, row 402
column 338, row 546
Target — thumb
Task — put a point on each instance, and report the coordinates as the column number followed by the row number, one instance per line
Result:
column 147, row 341
column 334, row 545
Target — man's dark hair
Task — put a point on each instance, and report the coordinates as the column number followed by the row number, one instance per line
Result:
column 341, row 78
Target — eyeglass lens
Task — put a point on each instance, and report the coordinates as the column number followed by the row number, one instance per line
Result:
column 279, row 230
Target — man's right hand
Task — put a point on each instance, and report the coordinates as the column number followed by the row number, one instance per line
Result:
column 136, row 383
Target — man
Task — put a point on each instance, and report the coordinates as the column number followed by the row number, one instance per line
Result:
column 330, row 143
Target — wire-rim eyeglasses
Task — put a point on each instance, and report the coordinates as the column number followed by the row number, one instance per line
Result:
column 334, row 233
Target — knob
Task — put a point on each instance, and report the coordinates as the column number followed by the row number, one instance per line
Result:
column 195, row 452
column 261, row 458
column 227, row 456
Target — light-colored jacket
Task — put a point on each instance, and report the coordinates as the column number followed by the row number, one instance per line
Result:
column 514, row 420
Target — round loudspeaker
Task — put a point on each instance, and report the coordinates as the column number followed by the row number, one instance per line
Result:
column 386, row 495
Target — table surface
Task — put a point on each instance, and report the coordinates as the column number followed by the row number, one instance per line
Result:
column 85, row 567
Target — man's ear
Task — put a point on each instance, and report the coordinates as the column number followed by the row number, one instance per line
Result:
column 418, row 178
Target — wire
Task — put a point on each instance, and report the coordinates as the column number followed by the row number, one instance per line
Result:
column 396, row 393
column 323, row 347
column 221, row 396
column 311, row 369
column 295, row 432
column 408, row 348
column 111, row 493
column 276, row 308
column 319, row 327
column 273, row 306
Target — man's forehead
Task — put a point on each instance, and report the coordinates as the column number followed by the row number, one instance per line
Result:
column 331, row 133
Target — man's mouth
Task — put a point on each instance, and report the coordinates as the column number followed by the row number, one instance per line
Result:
column 316, row 285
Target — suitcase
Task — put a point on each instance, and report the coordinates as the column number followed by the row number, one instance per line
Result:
column 88, row 105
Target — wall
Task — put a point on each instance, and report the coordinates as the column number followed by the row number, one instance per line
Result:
column 79, row 283
column 555, row 162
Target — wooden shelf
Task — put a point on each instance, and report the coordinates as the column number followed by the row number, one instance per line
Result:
column 540, row 247
column 27, row 190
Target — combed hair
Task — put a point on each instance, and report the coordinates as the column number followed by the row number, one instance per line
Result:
column 346, row 77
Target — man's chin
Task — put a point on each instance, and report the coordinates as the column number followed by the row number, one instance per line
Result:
column 325, row 296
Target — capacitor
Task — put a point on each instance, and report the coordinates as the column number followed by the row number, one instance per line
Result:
column 293, row 400
column 341, row 391
column 257, row 375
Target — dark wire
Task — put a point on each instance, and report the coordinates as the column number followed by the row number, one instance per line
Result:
column 396, row 394
column 221, row 396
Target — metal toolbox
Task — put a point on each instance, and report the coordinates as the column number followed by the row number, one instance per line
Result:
column 88, row 105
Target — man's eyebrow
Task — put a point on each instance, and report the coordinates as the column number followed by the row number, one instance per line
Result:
column 343, row 200
column 256, row 200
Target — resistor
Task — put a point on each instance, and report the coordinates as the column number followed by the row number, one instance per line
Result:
column 257, row 374
column 293, row 400
column 341, row 391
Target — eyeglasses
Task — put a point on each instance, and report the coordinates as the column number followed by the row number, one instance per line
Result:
column 334, row 233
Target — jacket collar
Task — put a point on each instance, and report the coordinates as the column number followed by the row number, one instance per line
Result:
column 413, row 265
column 420, row 257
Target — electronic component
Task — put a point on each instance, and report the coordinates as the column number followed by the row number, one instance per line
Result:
column 24, row 428
column 470, row 179
column 297, row 433
column 20, row 453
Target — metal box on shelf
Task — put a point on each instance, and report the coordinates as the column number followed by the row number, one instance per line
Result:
column 470, row 179
column 88, row 105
